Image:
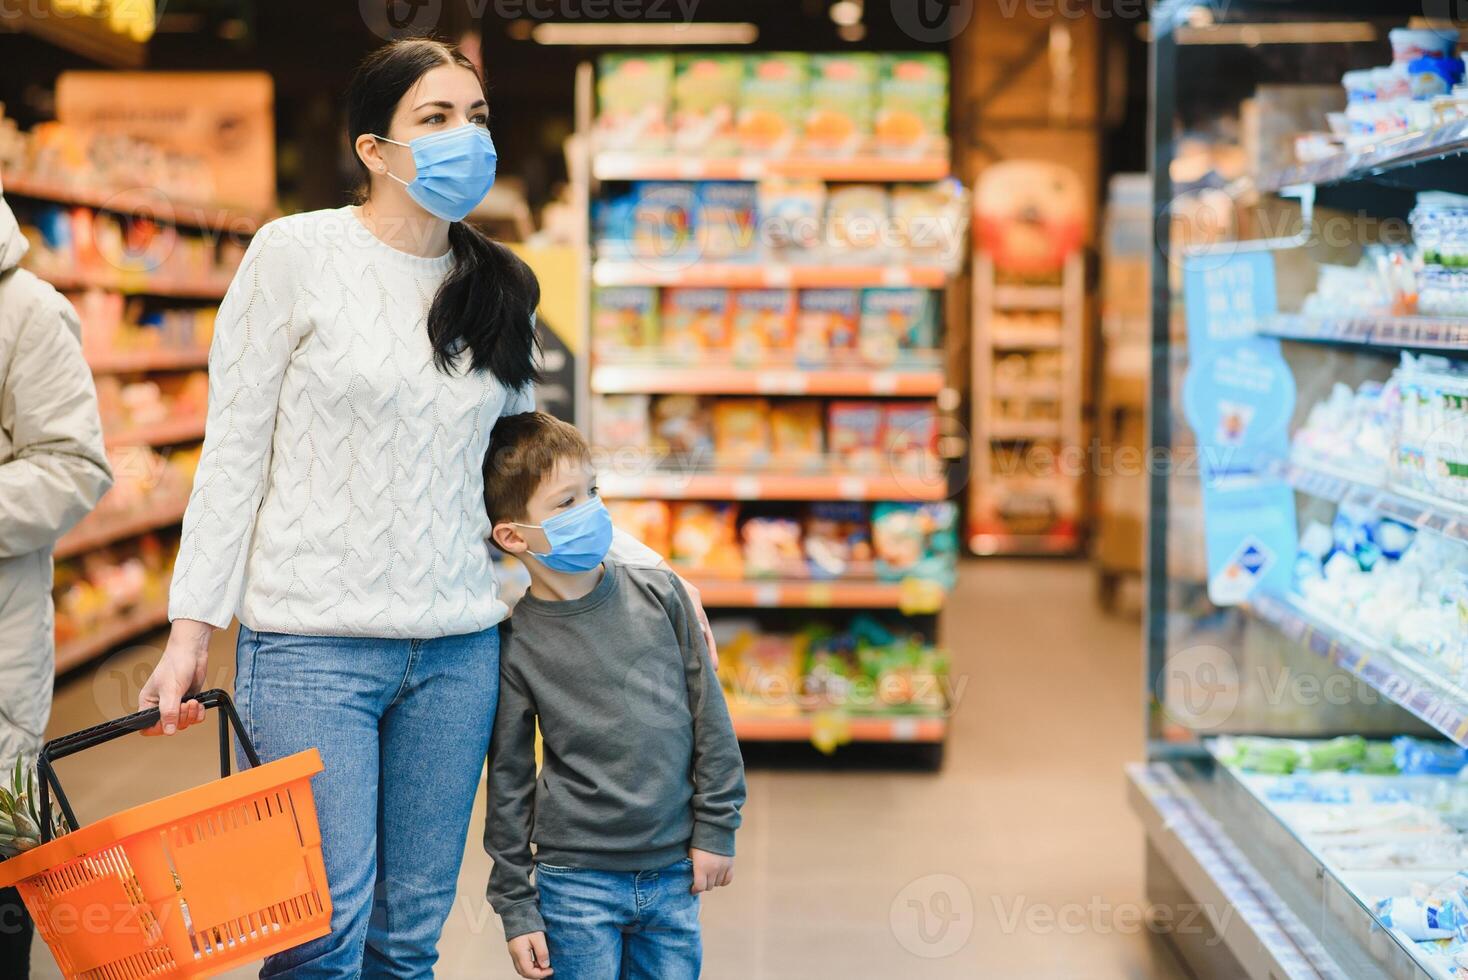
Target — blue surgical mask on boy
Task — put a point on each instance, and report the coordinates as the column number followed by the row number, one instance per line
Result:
column 456, row 169
column 579, row 537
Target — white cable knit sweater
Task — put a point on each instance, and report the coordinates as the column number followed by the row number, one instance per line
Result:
column 340, row 490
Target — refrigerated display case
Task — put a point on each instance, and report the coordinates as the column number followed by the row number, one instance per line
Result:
column 1307, row 553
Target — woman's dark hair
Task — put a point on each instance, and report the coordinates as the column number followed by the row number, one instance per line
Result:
column 486, row 304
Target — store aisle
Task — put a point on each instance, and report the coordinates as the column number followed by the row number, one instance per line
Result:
column 1028, row 814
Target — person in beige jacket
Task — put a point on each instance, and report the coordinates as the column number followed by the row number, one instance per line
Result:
column 53, row 470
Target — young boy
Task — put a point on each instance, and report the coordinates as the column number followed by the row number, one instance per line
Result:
column 634, row 811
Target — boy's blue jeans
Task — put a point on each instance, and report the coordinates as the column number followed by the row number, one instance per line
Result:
column 628, row 925
column 403, row 727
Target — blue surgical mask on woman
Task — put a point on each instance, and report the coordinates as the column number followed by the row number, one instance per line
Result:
column 456, row 169
column 579, row 537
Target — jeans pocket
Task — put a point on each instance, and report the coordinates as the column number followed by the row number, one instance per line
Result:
column 554, row 869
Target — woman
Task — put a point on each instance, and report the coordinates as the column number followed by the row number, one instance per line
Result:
column 361, row 358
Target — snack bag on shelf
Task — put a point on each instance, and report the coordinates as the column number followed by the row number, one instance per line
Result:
column 912, row 105
column 760, row 671
column 705, row 98
column 665, row 220
column 854, row 433
column 742, row 432
column 910, row 435
column 916, row 540
column 894, row 321
column 772, row 104
column 683, row 429
column 764, row 321
column 695, row 321
column 826, row 325
column 705, row 539
column 772, row 548
column 633, row 93
column 907, row 673
column 930, row 223
column 727, row 222
column 837, row 539
column 620, row 422
column 624, row 317
column 829, row 660
column 792, row 218
column 857, row 221
column 797, row 437
column 840, row 103
column 649, row 521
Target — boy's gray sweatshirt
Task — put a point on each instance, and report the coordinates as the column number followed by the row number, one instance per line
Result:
column 641, row 762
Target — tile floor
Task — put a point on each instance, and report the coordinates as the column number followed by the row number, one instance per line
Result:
column 1019, row 859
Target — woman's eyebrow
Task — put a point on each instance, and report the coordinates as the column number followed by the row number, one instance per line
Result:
column 437, row 103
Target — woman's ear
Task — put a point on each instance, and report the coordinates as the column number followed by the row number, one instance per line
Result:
column 369, row 151
column 508, row 539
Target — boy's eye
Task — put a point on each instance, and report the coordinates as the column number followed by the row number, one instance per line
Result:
column 592, row 492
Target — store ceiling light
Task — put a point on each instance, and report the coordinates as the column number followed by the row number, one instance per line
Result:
column 597, row 35
column 1338, row 32
column 846, row 13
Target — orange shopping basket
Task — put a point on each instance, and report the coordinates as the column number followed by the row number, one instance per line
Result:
column 186, row 886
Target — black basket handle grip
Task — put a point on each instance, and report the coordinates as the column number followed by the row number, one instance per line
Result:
column 107, row 731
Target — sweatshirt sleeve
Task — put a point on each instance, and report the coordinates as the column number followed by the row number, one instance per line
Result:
column 255, row 334
column 48, row 405
column 511, row 808
column 718, row 766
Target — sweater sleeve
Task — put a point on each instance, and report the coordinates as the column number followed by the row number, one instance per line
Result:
column 255, row 334
column 718, row 766
column 511, row 809
column 48, row 406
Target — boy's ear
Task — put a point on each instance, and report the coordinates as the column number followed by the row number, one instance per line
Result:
column 507, row 538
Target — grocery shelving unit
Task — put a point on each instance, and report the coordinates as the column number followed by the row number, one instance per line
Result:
column 909, row 374
column 1214, row 836
column 104, row 530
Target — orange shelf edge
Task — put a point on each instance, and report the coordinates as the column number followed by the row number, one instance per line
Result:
column 610, row 379
column 652, row 272
column 109, row 635
column 163, row 434
column 784, row 486
column 892, row 728
column 87, row 538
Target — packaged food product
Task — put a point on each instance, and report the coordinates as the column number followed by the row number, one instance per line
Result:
column 797, row 434
column 929, row 222
column 705, row 97
column 772, row 548
column 912, row 105
column 624, row 317
column 665, row 219
column 649, row 521
column 772, row 104
column 894, row 321
column 726, row 219
column 1408, row 44
column 682, row 427
column 620, row 421
column 837, row 537
column 910, row 435
column 742, row 431
column 857, row 217
column 695, row 321
column 791, row 218
column 633, row 95
column 854, row 432
column 916, row 541
column 840, row 103
column 764, row 321
column 827, row 324
column 705, row 539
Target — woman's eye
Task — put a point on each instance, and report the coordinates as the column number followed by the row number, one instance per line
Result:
column 480, row 120
column 434, row 119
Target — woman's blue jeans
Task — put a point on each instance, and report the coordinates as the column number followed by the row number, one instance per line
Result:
column 403, row 727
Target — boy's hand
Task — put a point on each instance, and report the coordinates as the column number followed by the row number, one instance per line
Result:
column 530, row 956
column 710, row 870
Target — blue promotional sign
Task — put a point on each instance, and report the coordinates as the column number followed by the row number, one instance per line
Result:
column 1239, row 397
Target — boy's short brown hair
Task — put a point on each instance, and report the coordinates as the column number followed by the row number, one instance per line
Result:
column 522, row 451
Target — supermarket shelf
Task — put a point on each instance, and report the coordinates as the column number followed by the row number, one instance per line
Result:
column 1024, row 544
column 1014, row 431
column 609, row 379
column 1390, row 672
column 1029, row 340
column 1419, row 510
column 91, row 534
column 735, row 275
column 1047, row 389
column 1029, row 298
column 894, row 728
column 1372, row 161
column 118, row 631
column 672, row 485
column 642, row 166
column 139, row 201
column 798, row 594
column 1441, row 334
column 165, row 433
column 128, row 362
column 138, row 285
column 1262, row 933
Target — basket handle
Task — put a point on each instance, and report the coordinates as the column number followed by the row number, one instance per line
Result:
column 60, row 748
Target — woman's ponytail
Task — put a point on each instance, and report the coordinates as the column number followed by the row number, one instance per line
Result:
column 485, row 308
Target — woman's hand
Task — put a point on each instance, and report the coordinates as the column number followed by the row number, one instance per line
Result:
column 703, row 619
column 179, row 674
